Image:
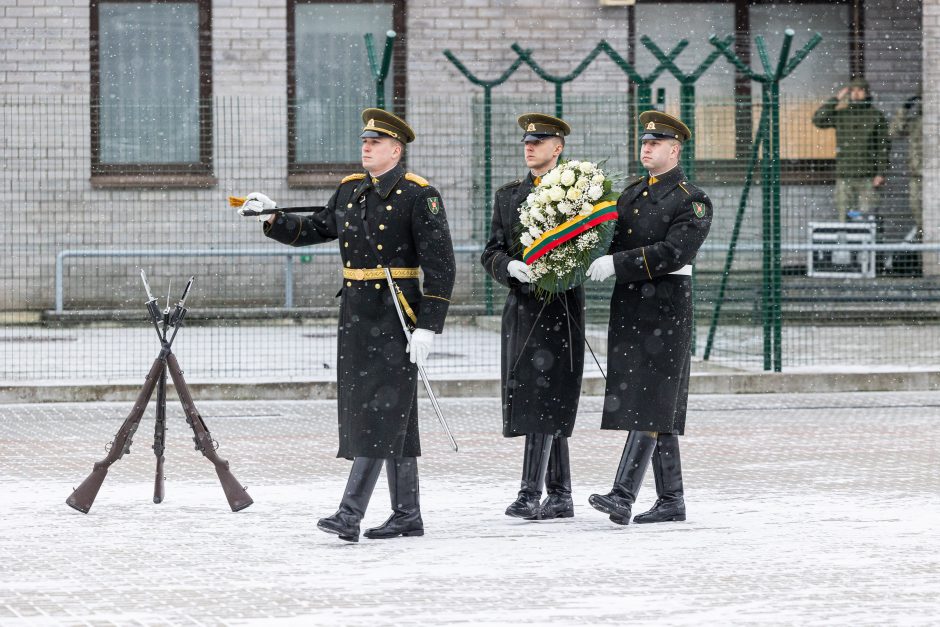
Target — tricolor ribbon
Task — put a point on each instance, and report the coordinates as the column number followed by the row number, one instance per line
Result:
column 549, row 240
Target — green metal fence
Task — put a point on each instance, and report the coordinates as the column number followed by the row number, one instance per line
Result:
column 828, row 294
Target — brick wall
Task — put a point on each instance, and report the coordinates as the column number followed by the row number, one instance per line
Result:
column 44, row 52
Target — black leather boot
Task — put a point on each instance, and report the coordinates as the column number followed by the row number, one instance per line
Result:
column 402, row 473
column 558, row 503
column 667, row 470
column 362, row 478
column 538, row 447
column 636, row 457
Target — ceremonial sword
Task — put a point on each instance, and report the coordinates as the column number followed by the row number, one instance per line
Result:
column 424, row 377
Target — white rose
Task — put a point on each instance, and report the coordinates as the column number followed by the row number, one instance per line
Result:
column 556, row 193
column 544, row 197
column 536, row 215
column 567, row 177
column 534, row 232
column 549, row 212
column 551, row 178
column 530, row 199
column 573, row 194
column 587, row 167
column 566, row 208
column 573, row 164
column 526, row 240
column 582, row 183
column 598, row 179
column 595, row 191
column 586, row 209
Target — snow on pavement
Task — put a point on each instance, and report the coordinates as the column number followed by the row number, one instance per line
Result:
column 803, row 509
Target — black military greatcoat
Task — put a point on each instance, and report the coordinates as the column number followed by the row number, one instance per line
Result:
column 542, row 348
column 376, row 383
column 659, row 230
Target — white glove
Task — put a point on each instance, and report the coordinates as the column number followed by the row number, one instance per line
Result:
column 256, row 201
column 602, row 268
column 420, row 346
column 519, row 270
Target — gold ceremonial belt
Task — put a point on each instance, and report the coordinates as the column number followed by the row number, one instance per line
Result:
column 372, row 274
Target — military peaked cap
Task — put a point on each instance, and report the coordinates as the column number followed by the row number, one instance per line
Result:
column 539, row 126
column 659, row 125
column 380, row 122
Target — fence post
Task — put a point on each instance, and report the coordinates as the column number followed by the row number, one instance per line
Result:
column 687, row 115
column 644, row 91
column 771, row 291
column 558, row 81
column 379, row 74
column 487, row 149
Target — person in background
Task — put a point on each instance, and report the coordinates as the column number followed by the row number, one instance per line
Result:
column 862, row 147
column 908, row 123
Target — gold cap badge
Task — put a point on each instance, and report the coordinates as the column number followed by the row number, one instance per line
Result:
column 530, row 127
column 651, row 126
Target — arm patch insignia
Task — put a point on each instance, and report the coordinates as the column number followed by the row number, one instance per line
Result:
column 434, row 204
column 698, row 208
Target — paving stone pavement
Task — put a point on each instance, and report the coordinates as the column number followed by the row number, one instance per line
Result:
column 805, row 509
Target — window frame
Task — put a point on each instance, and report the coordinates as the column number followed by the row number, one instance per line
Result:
column 137, row 175
column 813, row 171
column 318, row 174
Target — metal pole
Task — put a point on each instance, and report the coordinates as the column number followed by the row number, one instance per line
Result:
column 380, row 73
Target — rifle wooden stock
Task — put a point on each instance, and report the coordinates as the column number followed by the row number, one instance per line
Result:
column 236, row 494
column 84, row 495
column 159, row 490
column 159, row 439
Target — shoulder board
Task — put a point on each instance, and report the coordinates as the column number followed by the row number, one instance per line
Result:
column 353, row 177
column 691, row 189
column 414, row 178
column 510, row 184
column 636, row 182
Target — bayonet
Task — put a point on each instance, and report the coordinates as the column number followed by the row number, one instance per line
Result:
column 153, row 309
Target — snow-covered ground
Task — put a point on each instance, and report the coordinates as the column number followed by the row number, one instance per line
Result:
column 277, row 352
column 803, row 510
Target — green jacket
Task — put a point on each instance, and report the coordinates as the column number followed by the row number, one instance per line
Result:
column 861, row 138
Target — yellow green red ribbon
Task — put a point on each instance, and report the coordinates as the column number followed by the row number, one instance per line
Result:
column 549, row 240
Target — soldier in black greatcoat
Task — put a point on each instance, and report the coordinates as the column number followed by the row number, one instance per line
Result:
column 542, row 340
column 663, row 220
column 383, row 217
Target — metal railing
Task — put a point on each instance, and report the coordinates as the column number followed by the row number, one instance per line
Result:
column 287, row 254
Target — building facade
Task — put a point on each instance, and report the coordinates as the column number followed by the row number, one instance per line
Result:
column 127, row 124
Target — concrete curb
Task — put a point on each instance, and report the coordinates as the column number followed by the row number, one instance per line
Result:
column 701, row 383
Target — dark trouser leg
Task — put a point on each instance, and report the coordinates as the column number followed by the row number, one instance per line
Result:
column 558, row 503
column 667, row 469
column 405, row 520
column 636, row 456
column 362, row 478
column 538, row 447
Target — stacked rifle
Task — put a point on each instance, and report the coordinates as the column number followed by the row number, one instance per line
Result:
column 163, row 322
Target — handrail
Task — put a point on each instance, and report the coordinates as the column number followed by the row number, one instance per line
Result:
column 289, row 255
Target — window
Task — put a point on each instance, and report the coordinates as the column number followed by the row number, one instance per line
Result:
column 151, row 114
column 725, row 118
column 330, row 82
column 816, row 79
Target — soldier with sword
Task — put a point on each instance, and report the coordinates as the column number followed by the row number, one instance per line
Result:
column 390, row 224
